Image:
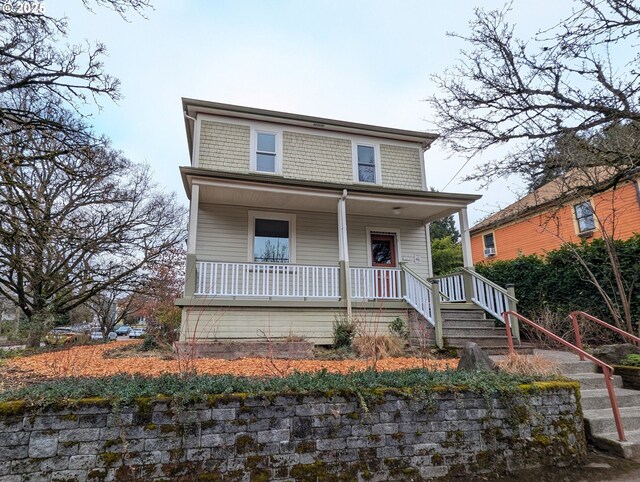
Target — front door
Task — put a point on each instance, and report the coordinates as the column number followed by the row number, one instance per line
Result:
column 383, row 255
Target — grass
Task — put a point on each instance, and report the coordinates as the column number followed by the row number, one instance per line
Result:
column 517, row 364
column 125, row 388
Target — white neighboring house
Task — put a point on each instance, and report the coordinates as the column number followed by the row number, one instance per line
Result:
column 296, row 220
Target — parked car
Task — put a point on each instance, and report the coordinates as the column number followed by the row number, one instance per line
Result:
column 97, row 335
column 123, row 330
column 137, row 332
column 65, row 336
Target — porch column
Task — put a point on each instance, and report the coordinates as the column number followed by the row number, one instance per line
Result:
column 465, row 239
column 343, row 253
column 427, row 235
column 190, row 275
column 467, row 260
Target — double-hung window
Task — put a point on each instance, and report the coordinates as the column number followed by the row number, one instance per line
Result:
column 266, row 152
column 585, row 217
column 366, row 163
column 489, row 245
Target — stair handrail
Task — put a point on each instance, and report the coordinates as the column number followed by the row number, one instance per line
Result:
column 420, row 279
column 606, row 369
column 576, row 329
column 490, row 283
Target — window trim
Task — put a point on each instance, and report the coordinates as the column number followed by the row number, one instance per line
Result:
column 377, row 161
column 576, row 220
column 484, row 245
column 278, row 216
column 255, row 130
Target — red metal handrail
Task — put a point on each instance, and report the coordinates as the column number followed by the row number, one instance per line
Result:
column 606, row 369
column 574, row 318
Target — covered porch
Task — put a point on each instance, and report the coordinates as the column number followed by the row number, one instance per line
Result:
column 347, row 249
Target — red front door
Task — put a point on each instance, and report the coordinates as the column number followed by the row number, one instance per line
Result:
column 383, row 255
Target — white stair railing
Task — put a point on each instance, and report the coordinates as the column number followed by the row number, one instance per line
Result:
column 491, row 297
column 266, row 280
column 452, row 287
column 419, row 294
column 376, row 283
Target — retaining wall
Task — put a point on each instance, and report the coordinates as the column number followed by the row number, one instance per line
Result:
column 382, row 435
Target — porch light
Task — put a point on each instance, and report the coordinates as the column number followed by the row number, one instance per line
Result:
column 396, row 211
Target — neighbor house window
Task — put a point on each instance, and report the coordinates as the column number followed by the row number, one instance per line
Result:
column 489, row 245
column 584, row 217
column 266, row 154
column 366, row 163
column 272, row 235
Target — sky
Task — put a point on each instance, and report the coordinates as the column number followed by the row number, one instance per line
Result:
column 355, row 60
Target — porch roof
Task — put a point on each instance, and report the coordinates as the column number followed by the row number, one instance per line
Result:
column 272, row 192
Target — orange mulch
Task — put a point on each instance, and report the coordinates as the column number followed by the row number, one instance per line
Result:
column 90, row 361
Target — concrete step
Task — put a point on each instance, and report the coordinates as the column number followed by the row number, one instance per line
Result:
column 468, row 322
column 577, row 367
column 630, row 449
column 601, row 421
column 471, row 331
column 590, row 381
column 448, row 314
column 599, row 399
column 481, row 341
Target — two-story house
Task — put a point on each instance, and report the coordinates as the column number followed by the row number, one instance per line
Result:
column 554, row 214
column 296, row 220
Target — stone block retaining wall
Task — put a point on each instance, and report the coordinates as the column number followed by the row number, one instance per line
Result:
column 382, row 435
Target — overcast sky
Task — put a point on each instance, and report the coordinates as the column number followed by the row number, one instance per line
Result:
column 355, row 60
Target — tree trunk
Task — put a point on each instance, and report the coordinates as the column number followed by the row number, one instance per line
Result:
column 38, row 324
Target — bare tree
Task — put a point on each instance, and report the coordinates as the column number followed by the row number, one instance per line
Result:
column 566, row 102
column 76, row 219
column 110, row 307
column 578, row 77
column 36, row 63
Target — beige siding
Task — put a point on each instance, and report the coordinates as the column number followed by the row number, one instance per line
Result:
column 401, row 167
column 223, row 235
column 412, row 240
column 314, row 157
column 315, row 324
column 224, row 146
column 317, row 158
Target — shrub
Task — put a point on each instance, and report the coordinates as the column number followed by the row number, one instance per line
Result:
column 398, row 327
column 517, row 364
column 631, row 360
column 344, row 329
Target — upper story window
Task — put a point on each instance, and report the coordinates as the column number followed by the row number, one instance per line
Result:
column 489, row 245
column 266, row 153
column 585, row 217
column 366, row 163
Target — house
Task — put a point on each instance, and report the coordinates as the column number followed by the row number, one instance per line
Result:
column 296, row 220
column 557, row 213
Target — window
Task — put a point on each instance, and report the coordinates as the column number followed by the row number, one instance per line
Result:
column 366, row 163
column 266, row 154
column 489, row 245
column 271, row 237
column 584, row 217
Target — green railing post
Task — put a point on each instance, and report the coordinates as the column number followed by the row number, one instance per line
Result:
column 515, row 325
column 437, row 316
column 190, row 276
column 403, row 280
column 467, row 279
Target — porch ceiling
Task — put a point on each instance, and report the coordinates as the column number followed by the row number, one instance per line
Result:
column 278, row 194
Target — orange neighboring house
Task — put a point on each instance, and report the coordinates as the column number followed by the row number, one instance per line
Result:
column 538, row 223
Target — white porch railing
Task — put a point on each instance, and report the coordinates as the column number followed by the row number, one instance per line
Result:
column 266, row 280
column 376, row 283
column 419, row 295
column 452, row 287
column 491, row 297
